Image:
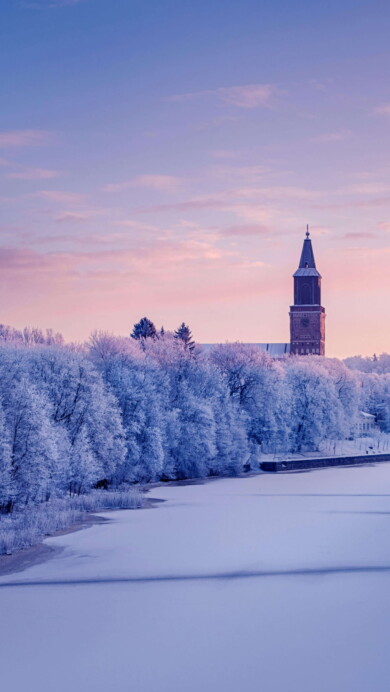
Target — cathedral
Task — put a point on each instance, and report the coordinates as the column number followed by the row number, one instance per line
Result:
column 307, row 316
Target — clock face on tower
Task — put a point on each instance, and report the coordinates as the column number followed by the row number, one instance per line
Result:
column 305, row 321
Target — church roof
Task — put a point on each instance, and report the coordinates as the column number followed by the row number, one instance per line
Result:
column 307, row 264
column 274, row 350
column 307, row 271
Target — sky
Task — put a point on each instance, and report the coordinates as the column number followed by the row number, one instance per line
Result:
column 163, row 157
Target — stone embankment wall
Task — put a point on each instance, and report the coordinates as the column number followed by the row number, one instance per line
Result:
column 321, row 462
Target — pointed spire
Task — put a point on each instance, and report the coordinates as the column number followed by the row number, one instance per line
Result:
column 307, row 257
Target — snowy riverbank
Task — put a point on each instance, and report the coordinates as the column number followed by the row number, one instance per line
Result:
column 278, row 583
column 25, row 528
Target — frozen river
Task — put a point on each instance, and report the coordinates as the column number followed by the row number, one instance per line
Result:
column 271, row 583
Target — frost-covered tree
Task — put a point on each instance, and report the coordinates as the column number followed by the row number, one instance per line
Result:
column 122, row 410
column 375, row 397
column 34, row 453
column 81, row 404
column 194, row 448
column 9, row 334
column 315, row 410
column 257, row 384
column 7, row 494
column 375, row 364
column 84, row 470
column 135, row 386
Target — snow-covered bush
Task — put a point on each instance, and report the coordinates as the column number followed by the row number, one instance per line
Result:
column 24, row 528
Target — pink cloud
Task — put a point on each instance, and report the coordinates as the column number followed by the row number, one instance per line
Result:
column 60, row 196
column 34, row 174
column 73, row 217
column 192, row 204
column 246, row 230
column 231, row 199
column 245, row 96
column 278, row 192
column 367, row 189
column 358, row 236
column 138, row 226
column 361, row 204
column 225, row 154
column 164, row 183
column 250, row 175
column 333, row 136
column 383, row 110
column 24, row 138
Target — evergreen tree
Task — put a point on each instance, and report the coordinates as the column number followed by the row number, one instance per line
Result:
column 184, row 334
column 144, row 329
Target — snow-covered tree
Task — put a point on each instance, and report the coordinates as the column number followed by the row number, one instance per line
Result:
column 6, row 484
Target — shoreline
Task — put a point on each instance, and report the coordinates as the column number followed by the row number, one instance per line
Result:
column 41, row 552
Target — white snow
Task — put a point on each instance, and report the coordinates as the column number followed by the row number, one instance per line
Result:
column 271, row 583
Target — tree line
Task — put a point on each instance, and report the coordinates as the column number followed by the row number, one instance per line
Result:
column 156, row 406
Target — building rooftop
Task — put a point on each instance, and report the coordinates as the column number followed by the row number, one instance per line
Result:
column 307, row 264
column 277, row 350
column 307, row 271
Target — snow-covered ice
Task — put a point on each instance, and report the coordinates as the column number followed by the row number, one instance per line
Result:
column 271, row 582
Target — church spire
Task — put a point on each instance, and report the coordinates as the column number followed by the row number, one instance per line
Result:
column 307, row 315
column 307, row 257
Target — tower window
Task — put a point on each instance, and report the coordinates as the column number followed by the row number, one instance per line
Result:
column 306, row 294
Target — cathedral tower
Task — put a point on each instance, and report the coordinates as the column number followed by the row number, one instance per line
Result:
column 307, row 316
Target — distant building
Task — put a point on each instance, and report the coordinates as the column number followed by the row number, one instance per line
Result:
column 307, row 316
column 277, row 351
column 365, row 425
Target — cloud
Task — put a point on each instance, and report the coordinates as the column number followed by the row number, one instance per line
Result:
column 246, row 230
column 225, row 154
column 359, row 204
column 278, row 192
column 24, row 138
column 163, row 183
column 384, row 225
column 333, row 136
column 138, row 226
column 190, row 205
column 74, row 217
column 140, row 258
column 382, row 110
column 367, row 189
column 245, row 96
column 358, row 236
column 250, row 175
column 320, row 85
column 60, row 196
column 34, row 174
column 232, row 199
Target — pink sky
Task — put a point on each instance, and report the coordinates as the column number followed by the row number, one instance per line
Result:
column 176, row 183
